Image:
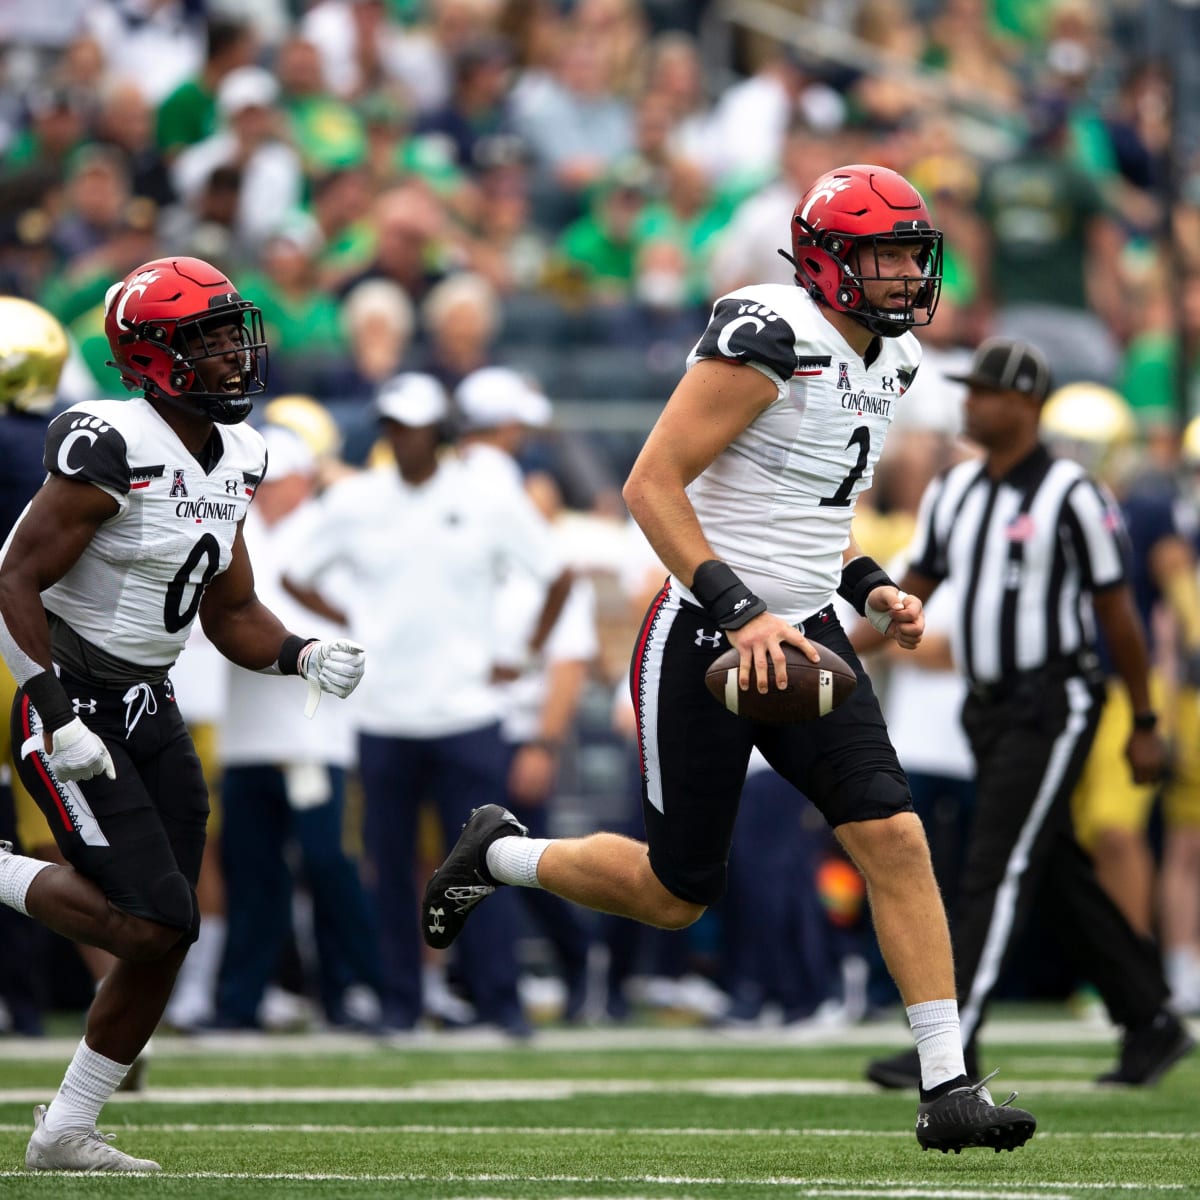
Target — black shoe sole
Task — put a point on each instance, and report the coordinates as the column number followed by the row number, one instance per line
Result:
column 996, row 1137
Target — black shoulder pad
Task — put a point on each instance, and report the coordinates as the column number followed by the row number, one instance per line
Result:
column 82, row 446
column 748, row 332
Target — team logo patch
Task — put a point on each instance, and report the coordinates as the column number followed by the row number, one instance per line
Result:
column 143, row 477
column 178, row 483
column 843, row 376
column 812, row 366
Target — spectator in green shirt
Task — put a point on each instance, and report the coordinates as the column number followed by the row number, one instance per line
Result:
column 189, row 114
column 301, row 319
column 691, row 215
column 594, row 257
column 327, row 131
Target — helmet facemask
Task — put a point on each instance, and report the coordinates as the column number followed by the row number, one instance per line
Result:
column 193, row 341
column 834, row 268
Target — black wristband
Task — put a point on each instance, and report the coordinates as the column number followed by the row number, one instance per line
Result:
column 860, row 577
column 289, row 654
column 50, row 698
column 1144, row 722
column 724, row 596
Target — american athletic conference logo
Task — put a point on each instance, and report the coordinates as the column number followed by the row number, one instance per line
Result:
column 843, row 383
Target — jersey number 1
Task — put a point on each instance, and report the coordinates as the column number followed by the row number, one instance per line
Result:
column 861, row 438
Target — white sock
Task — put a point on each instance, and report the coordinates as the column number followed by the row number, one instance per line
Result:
column 90, row 1080
column 515, row 860
column 939, row 1041
column 16, row 874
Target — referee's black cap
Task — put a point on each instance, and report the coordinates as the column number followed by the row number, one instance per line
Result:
column 1004, row 365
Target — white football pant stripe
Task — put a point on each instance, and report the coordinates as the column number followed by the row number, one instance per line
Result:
column 649, row 678
column 999, row 933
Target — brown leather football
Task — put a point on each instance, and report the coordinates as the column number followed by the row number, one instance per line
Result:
column 813, row 688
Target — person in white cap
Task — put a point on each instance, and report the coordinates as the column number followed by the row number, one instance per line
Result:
column 498, row 408
column 248, row 138
column 425, row 540
column 285, row 782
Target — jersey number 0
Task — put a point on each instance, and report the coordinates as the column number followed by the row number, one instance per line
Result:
column 175, row 616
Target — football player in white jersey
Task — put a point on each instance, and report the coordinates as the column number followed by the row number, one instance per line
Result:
column 746, row 488
column 136, row 531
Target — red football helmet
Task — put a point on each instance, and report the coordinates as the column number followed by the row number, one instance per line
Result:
column 835, row 231
column 159, row 321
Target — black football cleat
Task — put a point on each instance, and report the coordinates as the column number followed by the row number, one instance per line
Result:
column 1149, row 1052
column 965, row 1116
column 903, row 1070
column 463, row 880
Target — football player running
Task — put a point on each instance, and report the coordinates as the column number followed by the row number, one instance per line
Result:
column 136, row 531
column 745, row 488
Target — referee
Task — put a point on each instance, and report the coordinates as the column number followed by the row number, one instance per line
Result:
column 1037, row 551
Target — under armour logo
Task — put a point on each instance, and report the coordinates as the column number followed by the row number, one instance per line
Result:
column 231, row 487
column 435, row 918
column 83, row 706
column 922, row 1120
column 712, row 639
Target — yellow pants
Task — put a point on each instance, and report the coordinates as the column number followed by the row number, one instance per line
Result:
column 1106, row 796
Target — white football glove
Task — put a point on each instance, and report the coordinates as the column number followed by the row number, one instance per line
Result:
column 334, row 667
column 77, row 752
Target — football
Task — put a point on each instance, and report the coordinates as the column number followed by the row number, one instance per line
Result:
column 813, row 688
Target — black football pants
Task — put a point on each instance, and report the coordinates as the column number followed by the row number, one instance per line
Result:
column 1023, row 862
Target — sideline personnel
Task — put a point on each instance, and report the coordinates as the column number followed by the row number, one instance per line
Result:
column 1035, row 549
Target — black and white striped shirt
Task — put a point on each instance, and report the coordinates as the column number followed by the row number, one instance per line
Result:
column 1025, row 552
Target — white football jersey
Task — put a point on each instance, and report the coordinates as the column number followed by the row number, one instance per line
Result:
column 777, row 503
column 136, row 589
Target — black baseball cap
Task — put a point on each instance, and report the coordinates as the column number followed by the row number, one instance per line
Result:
column 1003, row 365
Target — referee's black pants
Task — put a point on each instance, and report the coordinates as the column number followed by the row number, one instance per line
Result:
column 1030, row 742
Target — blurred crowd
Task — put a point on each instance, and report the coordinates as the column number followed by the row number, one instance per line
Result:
column 431, row 188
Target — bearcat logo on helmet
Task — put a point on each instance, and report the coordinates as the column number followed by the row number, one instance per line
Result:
column 837, row 230
column 163, row 320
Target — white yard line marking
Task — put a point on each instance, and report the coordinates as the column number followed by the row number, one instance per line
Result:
column 575, row 1131
column 491, row 1090
column 883, row 1187
column 1001, row 1031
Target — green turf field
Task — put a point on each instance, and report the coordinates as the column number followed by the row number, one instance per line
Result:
column 651, row 1113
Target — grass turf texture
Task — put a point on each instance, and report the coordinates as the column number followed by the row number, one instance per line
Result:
column 655, row 1115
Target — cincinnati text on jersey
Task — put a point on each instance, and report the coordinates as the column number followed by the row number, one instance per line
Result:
column 864, row 402
column 204, row 509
